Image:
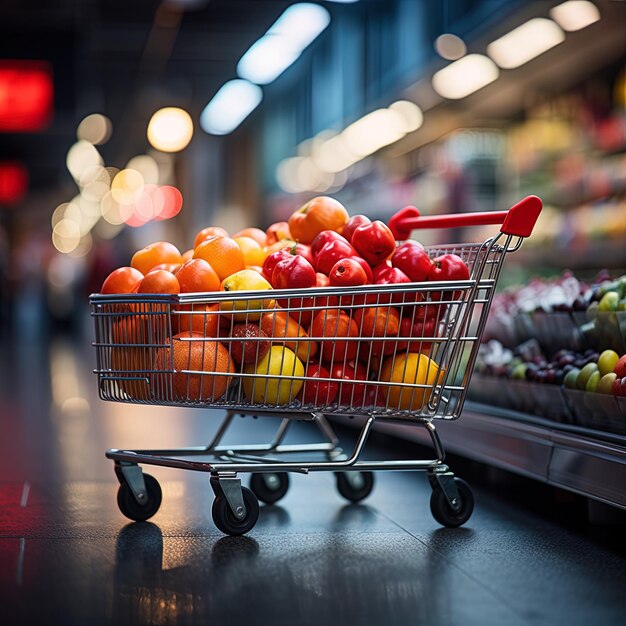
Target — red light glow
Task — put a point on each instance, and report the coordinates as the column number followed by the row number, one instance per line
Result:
column 13, row 182
column 26, row 96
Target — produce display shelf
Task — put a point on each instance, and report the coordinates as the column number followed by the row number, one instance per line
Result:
column 590, row 463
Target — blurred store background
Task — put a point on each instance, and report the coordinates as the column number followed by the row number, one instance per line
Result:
column 122, row 123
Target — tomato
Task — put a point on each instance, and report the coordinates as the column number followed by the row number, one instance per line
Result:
column 121, row 280
column 321, row 213
column 159, row 281
column 154, row 254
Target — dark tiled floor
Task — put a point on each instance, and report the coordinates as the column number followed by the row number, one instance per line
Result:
column 67, row 556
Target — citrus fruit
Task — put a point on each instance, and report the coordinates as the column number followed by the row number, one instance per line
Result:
column 333, row 324
column 411, row 370
column 222, row 254
column 197, row 275
column 154, row 254
column 121, row 280
column 209, row 231
column 248, row 309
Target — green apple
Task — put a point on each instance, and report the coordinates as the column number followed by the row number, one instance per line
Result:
column 609, row 302
column 607, row 361
column 584, row 375
column 593, row 381
column 606, row 383
column 570, row 378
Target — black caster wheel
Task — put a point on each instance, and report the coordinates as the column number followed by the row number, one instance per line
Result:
column 132, row 509
column 442, row 511
column 269, row 488
column 225, row 519
column 355, row 486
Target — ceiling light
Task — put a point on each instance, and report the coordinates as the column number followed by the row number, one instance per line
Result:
column 450, row 46
column 465, row 76
column 525, row 42
column 575, row 14
column 283, row 43
column 373, row 131
column 230, row 106
column 411, row 114
column 334, row 155
column 170, row 129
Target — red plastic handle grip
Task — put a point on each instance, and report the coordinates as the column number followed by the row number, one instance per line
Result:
column 518, row 221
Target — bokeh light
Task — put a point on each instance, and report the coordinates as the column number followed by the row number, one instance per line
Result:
column 95, row 128
column 450, row 47
column 170, row 129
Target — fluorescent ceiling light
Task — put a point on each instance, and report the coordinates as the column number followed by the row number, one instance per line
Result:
column 283, row 43
column 230, row 106
column 374, row 131
column 575, row 14
column 465, row 76
column 525, row 42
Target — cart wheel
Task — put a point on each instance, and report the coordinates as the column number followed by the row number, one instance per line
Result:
column 442, row 511
column 225, row 519
column 269, row 488
column 129, row 506
column 355, row 486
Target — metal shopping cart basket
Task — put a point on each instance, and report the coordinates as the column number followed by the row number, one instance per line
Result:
column 376, row 352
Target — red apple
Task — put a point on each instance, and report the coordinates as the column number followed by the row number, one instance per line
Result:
column 353, row 223
column 319, row 393
column 620, row 367
column 351, row 393
column 248, row 344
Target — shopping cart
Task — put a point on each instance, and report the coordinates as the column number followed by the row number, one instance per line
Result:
column 377, row 352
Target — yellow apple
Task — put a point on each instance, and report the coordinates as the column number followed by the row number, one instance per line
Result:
column 271, row 383
column 248, row 310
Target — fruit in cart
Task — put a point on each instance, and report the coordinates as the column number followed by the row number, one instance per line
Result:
column 347, row 273
column 121, row 280
column 385, row 274
column 607, row 361
column 253, row 253
column 222, row 254
column 339, row 335
column 413, row 260
column 207, row 233
column 293, row 272
column 304, row 251
column 303, row 309
column 246, row 310
column 606, row 383
column 448, row 267
column 619, row 386
column 374, row 242
column 196, row 275
column 366, row 268
column 279, row 326
column 200, row 318
column 320, row 213
column 331, row 253
column 620, row 367
column 421, row 329
column 248, row 343
column 154, row 254
column 353, row 223
column 417, row 375
column 351, row 392
column 375, row 322
column 593, row 381
column 271, row 260
column 202, row 369
column 271, row 382
column 159, row 281
column 277, row 232
column 584, row 375
column 319, row 393
column 326, row 236
column 253, row 233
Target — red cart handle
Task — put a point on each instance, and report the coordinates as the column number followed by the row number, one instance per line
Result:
column 518, row 221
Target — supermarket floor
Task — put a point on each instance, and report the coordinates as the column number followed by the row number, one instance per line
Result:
column 67, row 555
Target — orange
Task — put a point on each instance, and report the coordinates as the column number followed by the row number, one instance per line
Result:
column 188, row 254
column 159, row 281
column 154, row 254
column 211, row 365
column 253, row 254
column 222, row 254
column 255, row 233
column 209, row 231
column 197, row 275
column 121, row 280
column 333, row 323
column 411, row 370
column 280, row 325
column 200, row 318
column 378, row 321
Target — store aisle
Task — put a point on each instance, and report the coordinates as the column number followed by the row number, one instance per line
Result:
column 67, row 556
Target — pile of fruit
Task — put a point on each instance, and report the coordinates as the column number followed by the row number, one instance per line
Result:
column 319, row 350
